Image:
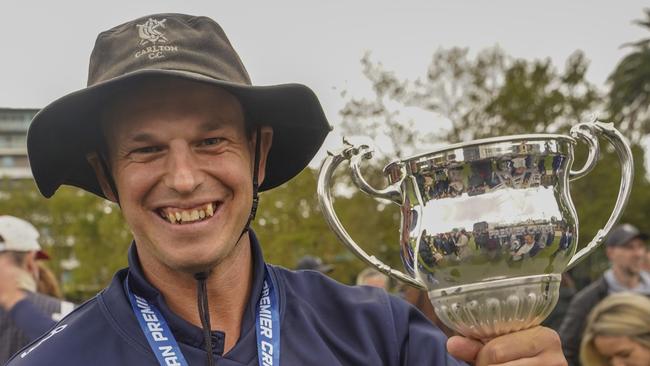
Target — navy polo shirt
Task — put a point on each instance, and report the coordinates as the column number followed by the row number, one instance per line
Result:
column 322, row 323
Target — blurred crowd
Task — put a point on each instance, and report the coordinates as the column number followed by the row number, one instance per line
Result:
column 605, row 323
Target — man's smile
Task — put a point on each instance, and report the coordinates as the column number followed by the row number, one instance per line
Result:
column 186, row 215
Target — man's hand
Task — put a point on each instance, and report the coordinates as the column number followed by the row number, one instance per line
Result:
column 10, row 291
column 536, row 346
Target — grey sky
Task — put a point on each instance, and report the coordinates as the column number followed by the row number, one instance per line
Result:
column 45, row 45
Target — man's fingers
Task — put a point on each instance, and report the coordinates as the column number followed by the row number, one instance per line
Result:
column 540, row 343
column 463, row 348
column 545, row 359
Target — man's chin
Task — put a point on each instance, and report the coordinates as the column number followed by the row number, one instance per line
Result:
column 194, row 267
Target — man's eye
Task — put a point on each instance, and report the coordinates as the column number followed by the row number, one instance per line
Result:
column 210, row 141
column 146, row 150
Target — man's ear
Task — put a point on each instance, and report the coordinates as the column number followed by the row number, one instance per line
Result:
column 94, row 161
column 266, row 140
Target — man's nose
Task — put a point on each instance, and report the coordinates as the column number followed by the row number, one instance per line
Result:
column 183, row 171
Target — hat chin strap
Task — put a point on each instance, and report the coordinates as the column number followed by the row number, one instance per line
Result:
column 201, row 277
column 109, row 177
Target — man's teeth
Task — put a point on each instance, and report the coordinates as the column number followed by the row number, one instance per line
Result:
column 185, row 216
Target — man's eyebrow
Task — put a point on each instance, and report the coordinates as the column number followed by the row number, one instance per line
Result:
column 206, row 126
column 211, row 125
column 141, row 137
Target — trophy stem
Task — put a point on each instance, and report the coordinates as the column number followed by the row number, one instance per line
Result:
column 489, row 309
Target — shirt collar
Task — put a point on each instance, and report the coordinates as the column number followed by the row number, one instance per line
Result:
column 614, row 286
column 184, row 331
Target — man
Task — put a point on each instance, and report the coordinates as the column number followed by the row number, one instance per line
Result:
column 24, row 313
column 171, row 129
column 462, row 244
column 626, row 249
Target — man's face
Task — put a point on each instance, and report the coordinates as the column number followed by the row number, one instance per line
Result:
column 628, row 257
column 182, row 164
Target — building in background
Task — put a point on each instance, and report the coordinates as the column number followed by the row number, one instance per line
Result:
column 14, row 123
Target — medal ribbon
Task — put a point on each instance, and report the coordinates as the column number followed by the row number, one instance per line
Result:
column 164, row 345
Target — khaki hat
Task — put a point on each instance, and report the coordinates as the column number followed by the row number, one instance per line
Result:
column 169, row 46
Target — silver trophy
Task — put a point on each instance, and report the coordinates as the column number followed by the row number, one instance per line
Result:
column 487, row 226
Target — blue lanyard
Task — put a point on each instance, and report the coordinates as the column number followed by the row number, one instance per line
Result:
column 164, row 346
column 267, row 324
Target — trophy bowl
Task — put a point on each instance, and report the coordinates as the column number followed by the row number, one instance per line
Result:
column 488, row 226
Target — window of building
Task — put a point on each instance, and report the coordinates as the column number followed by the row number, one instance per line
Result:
column 7, row 162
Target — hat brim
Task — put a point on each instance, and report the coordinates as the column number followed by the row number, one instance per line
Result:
column 62, row 134
column 627, row 238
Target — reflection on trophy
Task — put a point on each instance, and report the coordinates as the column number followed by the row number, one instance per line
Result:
column 487, row 226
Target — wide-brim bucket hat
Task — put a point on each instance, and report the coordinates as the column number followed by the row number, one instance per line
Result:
column 169, row 46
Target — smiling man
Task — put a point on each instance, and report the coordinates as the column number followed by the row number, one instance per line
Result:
column 172, row 130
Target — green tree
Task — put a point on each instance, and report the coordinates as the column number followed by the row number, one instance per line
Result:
column 629, row 93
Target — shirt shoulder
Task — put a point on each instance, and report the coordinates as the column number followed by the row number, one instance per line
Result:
column 357, row 322
column 64, row 339
column 90, row 334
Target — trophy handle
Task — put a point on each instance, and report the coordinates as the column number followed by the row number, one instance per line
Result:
column 589, row 132
column 393, row 193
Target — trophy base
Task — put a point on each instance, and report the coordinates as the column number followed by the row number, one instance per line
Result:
column 489, row 309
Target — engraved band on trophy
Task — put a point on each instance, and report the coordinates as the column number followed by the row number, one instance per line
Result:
column 488, row 226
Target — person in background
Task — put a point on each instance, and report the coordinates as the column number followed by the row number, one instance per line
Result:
column 626, row 249
column 462, row 243
column 646, row 262
column 309, row 262
column 372, row 277
column 25, row 313
column 47, row 283
column 618, row 332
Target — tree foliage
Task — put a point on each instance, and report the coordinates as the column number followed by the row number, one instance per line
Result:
column 629, row 94
column 490, row 94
